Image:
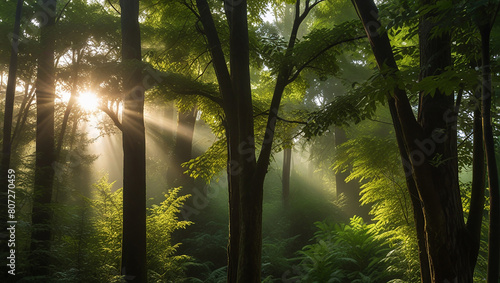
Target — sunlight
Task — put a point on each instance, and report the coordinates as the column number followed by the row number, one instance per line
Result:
column 88, row 101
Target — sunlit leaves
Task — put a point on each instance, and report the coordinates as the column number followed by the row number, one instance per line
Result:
column 348, row 253
column 162, row 221
column 210, row 164
column 344, row 110
column 375, row 163
column 449, row 82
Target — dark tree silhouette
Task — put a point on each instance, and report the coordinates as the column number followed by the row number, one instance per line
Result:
column 428, row 144
column 133, row 265
column 44, row 173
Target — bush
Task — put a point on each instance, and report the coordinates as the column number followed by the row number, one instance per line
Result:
column 349, row 253
column 102, row 244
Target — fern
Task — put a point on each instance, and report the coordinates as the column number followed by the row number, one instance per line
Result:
column 348, row 253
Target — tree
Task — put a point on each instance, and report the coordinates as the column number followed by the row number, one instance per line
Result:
column 7, row 122
column 133, row 264
column 246, row 172
column 44, row 173
column 485, row 21
column 428, row 148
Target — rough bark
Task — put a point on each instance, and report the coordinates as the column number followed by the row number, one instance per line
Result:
column 133, row 263
column 418, row 216
column 438, row 178
column 431, row 148
column 44, row 174
column 478, row 183
column 489, row 145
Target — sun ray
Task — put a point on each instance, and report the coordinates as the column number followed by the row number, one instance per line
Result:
column 88, row 101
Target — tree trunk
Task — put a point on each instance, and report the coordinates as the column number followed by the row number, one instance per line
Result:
column 182, row 151
column 437, row 178
column 29, row 96
column 7, row 131
column 418, row 216
column 9, row 104
column 44, row 174
column 287, row 162
column 431, row 148
column 489, row 144
column 478, row 181
column 71, row 102
column 250, row 189
column 231, row 128
column 133, row 263
column 245, row 174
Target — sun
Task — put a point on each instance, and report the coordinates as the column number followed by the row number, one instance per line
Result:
column 88, row 101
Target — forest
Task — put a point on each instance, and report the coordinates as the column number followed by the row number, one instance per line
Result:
column 250, row 141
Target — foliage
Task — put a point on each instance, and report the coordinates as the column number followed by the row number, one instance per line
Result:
column 371, row 157
column 103, row 249
column 349, row 253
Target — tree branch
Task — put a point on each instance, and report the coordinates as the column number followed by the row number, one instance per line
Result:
column 282, row 119
column 62, row 10
column 297, row 73
column 113, row 116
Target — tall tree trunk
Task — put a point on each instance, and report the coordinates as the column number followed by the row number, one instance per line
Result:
column 72, row 100
column 231, row 128
column 250, row 189
column 489, row 144
column 9, row 103
column 437, row 178
column 477, row 189
column 233, row 177
column 44, row 174
column 24, row 110
column 245, row 174
column 182, row 150
column 7, row 131
column 418, row 215
column 133, row 263
column 431, row 148
column 287, row 162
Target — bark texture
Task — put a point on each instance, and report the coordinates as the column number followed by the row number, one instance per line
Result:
column 44, row 173
column 491, row 164
column 429, row 151
column 133, row 263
